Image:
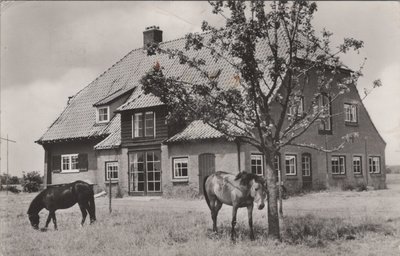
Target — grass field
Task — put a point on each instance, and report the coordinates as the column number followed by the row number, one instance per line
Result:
column 179, row 227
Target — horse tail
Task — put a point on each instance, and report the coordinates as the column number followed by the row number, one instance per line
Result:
column 92, row 205
column 205, row 191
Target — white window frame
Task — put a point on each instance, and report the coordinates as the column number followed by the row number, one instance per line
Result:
column 257, row 157
column 357, row 166
column 135, row 124
column 374, row 164
column 154, row 124
column 98, row 114
column 306, row 166
column 69, row 157
column 324, row 105
column 177, row 171
column 350, row 113
column 297, row 109
column 341, row 165
column 108, row 171
column 292, row 166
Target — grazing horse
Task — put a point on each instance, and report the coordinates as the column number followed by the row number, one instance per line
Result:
column 238, row 191
column 63, row 197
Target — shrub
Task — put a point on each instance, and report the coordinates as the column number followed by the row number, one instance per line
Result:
column 31, row 181
column 119, row 193
column 347, row 186
column 315, row 231
column 181, row 191
column 361, row 187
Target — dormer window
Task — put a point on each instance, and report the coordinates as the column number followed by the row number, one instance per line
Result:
column 103, row 114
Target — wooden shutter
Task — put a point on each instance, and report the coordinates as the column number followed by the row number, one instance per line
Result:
column 83, row 162
column 56, row 163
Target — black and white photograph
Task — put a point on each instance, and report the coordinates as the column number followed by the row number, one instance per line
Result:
column 200, row 128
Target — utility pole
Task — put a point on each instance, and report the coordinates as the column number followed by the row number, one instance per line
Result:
column 8, row 140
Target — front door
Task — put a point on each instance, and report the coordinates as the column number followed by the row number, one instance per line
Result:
column 206, row 167
column 145, row 172
column 306, row 171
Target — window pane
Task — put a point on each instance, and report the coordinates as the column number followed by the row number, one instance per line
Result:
column 138, row 125
column 257, row 164
column 180, row 168
column 149, row 123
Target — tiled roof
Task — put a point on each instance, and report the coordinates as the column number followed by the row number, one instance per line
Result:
column 141, row 101
column 78, row 120
column 196, row 130
column 114, row 139
column 111, row 97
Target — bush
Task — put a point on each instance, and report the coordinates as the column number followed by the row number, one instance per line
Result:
column 347, row 186
column 315, row 231
column 119, row 193
column 181, row 191
column 13, row 189
column 361, row 187
column 31, row 181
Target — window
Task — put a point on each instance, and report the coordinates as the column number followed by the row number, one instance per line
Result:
column 298, row 106
column 290, row 162
column 306, row 164
column 374, row 164
column 324, row 108
column 69, row 163
column 180, row 168
column 112, row 171
column 338, row 164
column 357, row 165
column 257, row 164
column 143, row 124
column 149, row 124
column 350, row 111
column 138, row 125
column 103, row 114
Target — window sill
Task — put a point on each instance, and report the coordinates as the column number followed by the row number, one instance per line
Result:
column 112, row 182
column 375, row 174
column 339, row 176
column 291, row 177
column 186, row 180
column 358, row 174
column 347, row 123
column 69, row 171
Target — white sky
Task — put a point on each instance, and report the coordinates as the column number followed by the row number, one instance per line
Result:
column 50, row 50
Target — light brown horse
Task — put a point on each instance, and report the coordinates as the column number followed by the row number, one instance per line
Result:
column 238, row 191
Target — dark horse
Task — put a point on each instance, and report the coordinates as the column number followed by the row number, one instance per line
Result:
column 238, row 191
column 63, row 197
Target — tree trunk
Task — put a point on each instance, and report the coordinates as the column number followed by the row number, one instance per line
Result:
column 273, row 216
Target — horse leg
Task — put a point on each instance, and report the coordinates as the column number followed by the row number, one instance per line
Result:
column 48, row 220
column 234, row 212
column 84, row 213
column 217, row 207
column 53, row 214
column 250, row 216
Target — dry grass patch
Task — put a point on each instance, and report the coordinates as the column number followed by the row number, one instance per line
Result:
column 316, row 231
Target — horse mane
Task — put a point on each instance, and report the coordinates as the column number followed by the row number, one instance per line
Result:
column 246, row 177
column 36, row 204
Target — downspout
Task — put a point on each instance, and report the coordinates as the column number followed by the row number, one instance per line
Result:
column 238, row 153
column 326, row 162
column 366, row 160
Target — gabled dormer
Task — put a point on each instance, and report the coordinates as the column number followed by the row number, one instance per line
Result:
column 102, row 114
column 106, row 107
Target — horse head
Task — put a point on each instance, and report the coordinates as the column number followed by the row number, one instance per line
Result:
column 257, row 188
column 34, row 219
column 258, row 192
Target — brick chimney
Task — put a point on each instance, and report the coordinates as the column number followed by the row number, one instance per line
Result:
column 152, row 34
